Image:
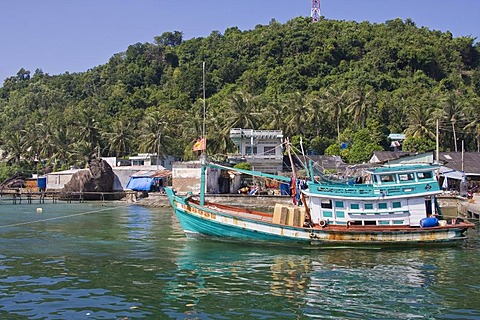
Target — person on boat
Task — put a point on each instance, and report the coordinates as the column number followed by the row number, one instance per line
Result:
column 243, row 190
column 254, row 190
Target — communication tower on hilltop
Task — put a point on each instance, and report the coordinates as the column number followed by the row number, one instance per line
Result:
column 315, row 13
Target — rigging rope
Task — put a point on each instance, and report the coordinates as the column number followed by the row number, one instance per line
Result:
column 62, row 217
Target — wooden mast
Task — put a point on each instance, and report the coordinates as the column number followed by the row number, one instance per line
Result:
column 203, row 156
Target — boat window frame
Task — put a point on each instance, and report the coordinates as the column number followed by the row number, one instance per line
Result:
column 410, row 176
column 388, row 181
column 425, row 175
column 327, row 214
column 326, row 204
column 380, row 205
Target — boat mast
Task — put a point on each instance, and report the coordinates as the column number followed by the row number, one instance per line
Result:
column 294, row 174
column 437, row 146
column 203, row 156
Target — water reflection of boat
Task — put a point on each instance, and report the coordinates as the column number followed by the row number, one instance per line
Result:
column 390, row 205
column 230, row 269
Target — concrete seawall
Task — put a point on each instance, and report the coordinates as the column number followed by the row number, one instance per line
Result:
column 471, row 208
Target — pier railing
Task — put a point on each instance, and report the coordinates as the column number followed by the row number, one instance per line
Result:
column 28, row 197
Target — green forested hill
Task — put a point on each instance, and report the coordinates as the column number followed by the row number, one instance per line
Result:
column 330, row 82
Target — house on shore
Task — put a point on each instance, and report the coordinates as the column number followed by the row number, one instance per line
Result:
column 263, row 149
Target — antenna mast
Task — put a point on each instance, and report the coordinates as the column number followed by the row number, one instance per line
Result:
column 316, row 13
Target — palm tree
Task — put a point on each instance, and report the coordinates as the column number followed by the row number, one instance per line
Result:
column 191, row 127
column 87, row 129
column 14, row 145
column 359, row 110
column 474, row 124
column 43, row 148
column 155, row 131
column 452, row 111
column 81, row 151
column 120, row 138
column 62, row 152
column 336, row 101
column 298, row 108
column 242, row 111
column 276, row 111
column 420, row 122
column 219, row 143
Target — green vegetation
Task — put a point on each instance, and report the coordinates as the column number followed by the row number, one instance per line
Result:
column 243, row 166
column 332, row 83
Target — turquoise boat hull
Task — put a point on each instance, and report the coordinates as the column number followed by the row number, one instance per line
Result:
column 196, row 227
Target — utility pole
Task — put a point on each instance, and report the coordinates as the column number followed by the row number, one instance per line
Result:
column 437, row 145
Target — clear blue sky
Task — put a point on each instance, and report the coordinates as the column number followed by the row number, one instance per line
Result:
column 76, row 35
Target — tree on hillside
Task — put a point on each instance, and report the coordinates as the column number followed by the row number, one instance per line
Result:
column 242, row 111
column 120, row 138
column 155, row 131
column 337, row 101
column 452, row 112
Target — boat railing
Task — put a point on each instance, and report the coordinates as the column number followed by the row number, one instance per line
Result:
column 366, row 190
column 363, row 190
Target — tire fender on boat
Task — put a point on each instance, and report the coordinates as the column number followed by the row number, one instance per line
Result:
column 323, row 223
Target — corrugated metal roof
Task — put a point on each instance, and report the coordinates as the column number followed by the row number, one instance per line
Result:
column 153, row 173
column 453, row 160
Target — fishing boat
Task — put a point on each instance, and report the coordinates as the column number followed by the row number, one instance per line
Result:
column 387, row 205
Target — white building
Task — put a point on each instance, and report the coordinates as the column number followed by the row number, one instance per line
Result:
column 263, row 149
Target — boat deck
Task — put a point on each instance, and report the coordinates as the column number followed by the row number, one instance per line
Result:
column 248, row 214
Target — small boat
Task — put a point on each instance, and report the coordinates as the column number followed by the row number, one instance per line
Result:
column 387, row 205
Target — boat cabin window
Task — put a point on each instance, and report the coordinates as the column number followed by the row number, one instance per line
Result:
column 406, row 177
column 387, row 178
column 424, row 175
column 368, row 179
column 326, row 204
column 396, row 204
column 354, row 206
column 339, row 204
column 382, row 205
column 368, row 206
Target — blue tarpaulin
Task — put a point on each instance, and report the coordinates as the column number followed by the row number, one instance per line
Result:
column 140, row 183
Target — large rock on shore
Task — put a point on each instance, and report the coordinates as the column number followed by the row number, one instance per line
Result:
column 97, row 178
column 14, row 182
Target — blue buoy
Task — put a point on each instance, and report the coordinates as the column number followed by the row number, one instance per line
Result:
column 429, row 222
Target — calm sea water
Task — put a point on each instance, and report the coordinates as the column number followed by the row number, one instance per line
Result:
column 92, row 261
